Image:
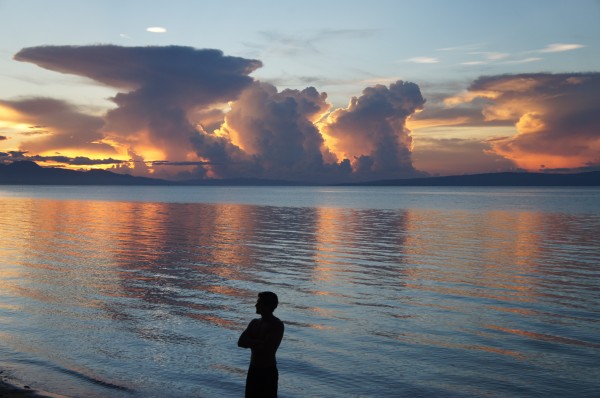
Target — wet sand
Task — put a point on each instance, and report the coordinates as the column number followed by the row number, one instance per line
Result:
column 14, row 391
column 10, row 391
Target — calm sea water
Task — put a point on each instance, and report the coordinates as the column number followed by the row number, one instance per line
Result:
column 385, row 292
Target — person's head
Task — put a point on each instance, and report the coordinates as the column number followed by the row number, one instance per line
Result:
column 266, row 303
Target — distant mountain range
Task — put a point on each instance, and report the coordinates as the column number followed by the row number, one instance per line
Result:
column 506, row 179
column 29, row 173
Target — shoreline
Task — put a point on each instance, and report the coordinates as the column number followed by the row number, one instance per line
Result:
column 9, row 389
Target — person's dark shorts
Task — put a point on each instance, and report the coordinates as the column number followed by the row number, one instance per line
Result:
column 262, row 382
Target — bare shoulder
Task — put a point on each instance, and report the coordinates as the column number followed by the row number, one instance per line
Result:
column 278, row 322
column 254, row 323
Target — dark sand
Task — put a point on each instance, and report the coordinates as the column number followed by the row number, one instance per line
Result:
column 13, row 391
column 10, row 391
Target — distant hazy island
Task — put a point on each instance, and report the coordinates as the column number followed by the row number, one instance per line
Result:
column 29, row 173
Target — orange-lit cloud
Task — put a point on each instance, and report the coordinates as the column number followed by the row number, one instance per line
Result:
column 187, row 113
column 556, row 117
column 160, row 87
column 277, row 130
column 455, row 156
column 372, row 131
column 529, row 121
column 54, row 125
column 200, row 110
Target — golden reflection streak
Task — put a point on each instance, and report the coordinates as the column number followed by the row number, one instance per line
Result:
column 328, row 231
column 212, row 234
column 543, row 336
column 225, row 234
column 424, row 340
column 427, row 237
column 215, row 320
column 118, row 240
column 315, row 326
column 56, row 227
column 222, row 290
column 6, row 278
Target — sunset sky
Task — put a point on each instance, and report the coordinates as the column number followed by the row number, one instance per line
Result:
column 315, row 91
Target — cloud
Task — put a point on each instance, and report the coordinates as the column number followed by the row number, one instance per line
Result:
column 474, row 63
column 464, row 115
column 424, row 60
column 76, row 161
column 156, row 29
column 277, row 129
column 3, row 138
column 167, row 163
column 203, row 76
column 35, row 131
column 490, row 55
column 161, row 88
column 372, row 130
column 557, row 117
column 523, row 60
column 200, row 111
column 461, row 48
column 453, row 156
column 560, row 47
column 58, row 125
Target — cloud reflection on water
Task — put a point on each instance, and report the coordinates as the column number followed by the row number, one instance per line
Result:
column 136, row 289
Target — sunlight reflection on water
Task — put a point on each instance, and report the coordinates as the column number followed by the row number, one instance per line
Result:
column 141, row 298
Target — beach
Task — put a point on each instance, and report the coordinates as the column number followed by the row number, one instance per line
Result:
column 12, row 391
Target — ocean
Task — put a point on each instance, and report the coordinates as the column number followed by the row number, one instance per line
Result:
column 384, row 291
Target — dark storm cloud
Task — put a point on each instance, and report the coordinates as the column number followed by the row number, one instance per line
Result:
column 167, row 163
column 35, row 130
column 65, row 126
column 74, row 161
column 85, row 161
column 372, row 130
column 184, row 74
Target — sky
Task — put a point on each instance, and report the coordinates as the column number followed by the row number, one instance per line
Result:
column 312, row 91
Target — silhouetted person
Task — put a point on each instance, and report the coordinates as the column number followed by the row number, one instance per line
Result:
column 263, row 337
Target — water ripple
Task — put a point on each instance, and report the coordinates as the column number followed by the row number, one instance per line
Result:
column 150, row 298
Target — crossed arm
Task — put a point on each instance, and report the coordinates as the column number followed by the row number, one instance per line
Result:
column 270, row 341
column 245, row 341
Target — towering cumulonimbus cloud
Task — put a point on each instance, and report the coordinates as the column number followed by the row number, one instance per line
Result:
column 557, row 117
column 372, row 131
column 162, row 87
column 171, row 107
column 278, row 130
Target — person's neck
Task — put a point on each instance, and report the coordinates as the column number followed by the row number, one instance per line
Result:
column 267, row 316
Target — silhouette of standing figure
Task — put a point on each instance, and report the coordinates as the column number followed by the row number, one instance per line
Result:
column 263, row 337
